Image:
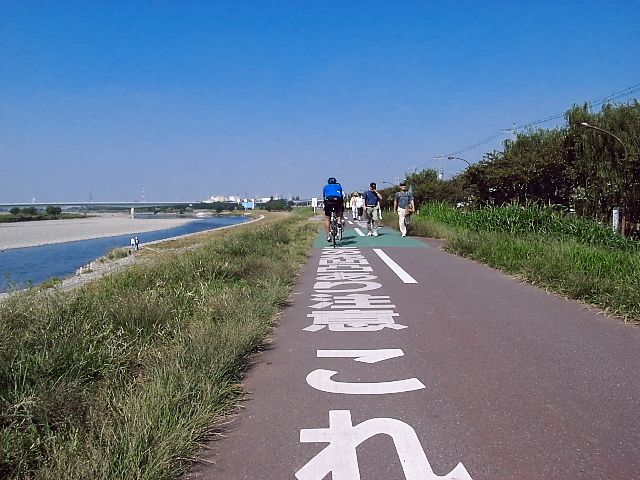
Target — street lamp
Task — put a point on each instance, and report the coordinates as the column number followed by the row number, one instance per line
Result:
column 441, row 158
column 625, row 176
column 458, row 158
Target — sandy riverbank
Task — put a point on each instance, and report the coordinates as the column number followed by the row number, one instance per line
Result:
column 45, row 232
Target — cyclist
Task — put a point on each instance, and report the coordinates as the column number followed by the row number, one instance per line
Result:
column 333, row 197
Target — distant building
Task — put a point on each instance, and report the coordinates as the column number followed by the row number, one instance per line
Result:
column 244, row 201
column 216, row 199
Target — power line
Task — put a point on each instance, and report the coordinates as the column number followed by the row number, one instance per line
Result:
column 613, row 96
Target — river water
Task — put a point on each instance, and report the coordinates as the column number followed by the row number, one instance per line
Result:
column 33, row 265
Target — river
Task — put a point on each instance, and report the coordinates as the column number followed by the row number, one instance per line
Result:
column 21, row 267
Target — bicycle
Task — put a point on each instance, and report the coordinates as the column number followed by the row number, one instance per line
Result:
column 336, row 229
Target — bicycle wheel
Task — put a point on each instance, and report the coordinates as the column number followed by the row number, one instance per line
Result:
column 334, row 228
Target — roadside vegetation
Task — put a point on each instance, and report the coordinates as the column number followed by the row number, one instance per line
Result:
column 542, row 209
column 123, row 378
column 115, row 254
column 566, row 254
column 573, row 168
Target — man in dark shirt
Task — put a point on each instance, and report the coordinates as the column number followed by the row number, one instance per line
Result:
column 371, row 205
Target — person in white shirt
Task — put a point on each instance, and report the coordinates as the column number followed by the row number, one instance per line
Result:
column 352, row 203
column 359, row 206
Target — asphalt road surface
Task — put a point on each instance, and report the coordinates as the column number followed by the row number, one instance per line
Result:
column 398, row 360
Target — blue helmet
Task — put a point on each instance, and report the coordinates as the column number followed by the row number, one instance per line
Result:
column 332, row 180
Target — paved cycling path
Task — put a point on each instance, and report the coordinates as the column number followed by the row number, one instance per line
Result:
column 355, row 235
column 398, row 360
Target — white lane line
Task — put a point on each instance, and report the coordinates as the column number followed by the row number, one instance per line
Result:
column 359, row 232
column 397, row 269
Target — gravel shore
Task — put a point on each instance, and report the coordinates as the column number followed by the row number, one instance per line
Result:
column 45, row 232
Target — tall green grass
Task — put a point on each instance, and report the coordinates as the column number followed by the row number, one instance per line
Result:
column 518, row 220
column 122, row 379
column 576, row 257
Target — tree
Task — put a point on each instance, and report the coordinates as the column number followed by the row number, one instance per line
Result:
column 15, row 211
column 29, row 211
column 53, row 211
column 573, row 166
column 607, row 169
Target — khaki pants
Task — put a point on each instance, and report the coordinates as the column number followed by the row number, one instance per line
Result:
column 402, row 216
column 371, row 214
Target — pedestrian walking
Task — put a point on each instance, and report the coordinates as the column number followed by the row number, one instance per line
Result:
column 352, row 204
column 403, row 205
column 360, row 206
column 371, row 202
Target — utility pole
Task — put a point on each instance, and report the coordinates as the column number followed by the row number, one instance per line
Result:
column 513, row 131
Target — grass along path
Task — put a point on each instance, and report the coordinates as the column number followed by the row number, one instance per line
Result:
column 121, row 378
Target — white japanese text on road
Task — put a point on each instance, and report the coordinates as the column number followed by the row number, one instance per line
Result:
column 343, row 301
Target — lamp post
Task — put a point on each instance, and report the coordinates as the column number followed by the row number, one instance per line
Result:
column 389, row 183
column 441, row 158
column 458, row 158
column 625, row 185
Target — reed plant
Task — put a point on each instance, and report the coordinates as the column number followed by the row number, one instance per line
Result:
column 115, row 254
column 123, row 378
column 572, row 256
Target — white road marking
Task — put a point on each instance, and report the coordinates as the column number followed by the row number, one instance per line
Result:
column 361, row 312
column 320, row 379
column 353, row 320
column 397, row 269
column 359, row 232
column 364, row 356
column 340, row 457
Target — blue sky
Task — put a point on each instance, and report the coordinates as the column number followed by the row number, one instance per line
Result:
column 191, row 98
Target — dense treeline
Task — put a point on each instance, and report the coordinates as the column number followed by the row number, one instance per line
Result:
column 26, row 214
column 590, row 169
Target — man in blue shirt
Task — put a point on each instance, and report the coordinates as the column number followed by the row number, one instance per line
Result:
column 371, row 201
column 333, row 197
